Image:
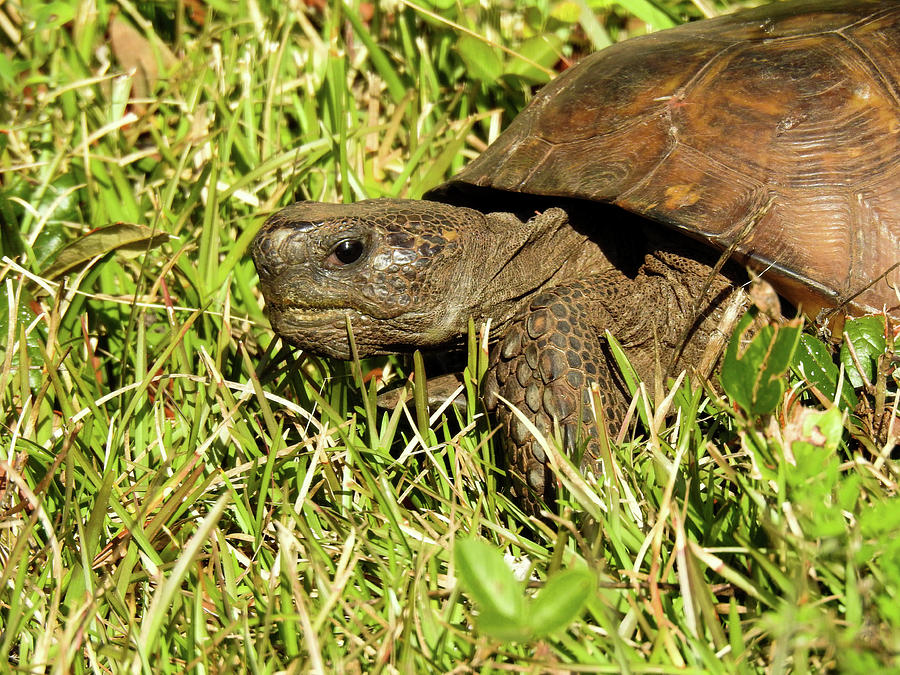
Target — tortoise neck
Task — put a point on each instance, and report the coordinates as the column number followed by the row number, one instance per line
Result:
column 520, row 259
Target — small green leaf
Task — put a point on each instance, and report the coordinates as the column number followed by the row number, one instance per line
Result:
column 543, row 50
column 22, row 315
column 9, row 72
column 866, row 334
column 560, row 602
column 823, row 429
column 815, row 475
column 11, row 241
column 566, row 11
column 484, row 575
column 755, row 377
column 816, row 364
column 482, row 62
column 880, row 520
column 52, row 15
column 502, row 628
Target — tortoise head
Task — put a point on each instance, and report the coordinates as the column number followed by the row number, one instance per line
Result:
column 394, row 268
column 406, row 274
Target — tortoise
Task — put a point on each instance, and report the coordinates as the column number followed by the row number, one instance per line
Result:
column 631, row 196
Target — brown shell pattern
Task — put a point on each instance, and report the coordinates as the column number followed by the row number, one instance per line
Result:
column 777, row 128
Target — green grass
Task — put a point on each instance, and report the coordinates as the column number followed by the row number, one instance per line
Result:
column 179, row 493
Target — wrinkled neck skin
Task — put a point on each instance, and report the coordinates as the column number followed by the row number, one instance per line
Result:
column 514, row 260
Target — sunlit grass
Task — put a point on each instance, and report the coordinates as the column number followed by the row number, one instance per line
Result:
column 179, row 492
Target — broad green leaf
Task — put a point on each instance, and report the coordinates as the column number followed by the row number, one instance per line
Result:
column 754, row 377
column 53, row 205
column 51, row 15
column 560, row 602
column 22, row 315
column 881, row 519
column 11, row 241
column 822, row 430
column 482, row 62
column 543, row 50
column 816, row 364
column 9, row 72
column 866, row 334
column 501, row 627
column 486, row 577
column 566, row 11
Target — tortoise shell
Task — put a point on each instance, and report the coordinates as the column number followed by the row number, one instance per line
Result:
column 775, row 131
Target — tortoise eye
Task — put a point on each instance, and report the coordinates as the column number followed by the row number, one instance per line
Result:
column 347, row 251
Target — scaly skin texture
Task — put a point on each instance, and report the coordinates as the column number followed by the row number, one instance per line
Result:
column 409, row 275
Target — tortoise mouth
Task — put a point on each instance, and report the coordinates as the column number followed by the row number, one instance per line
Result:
column 301, row 316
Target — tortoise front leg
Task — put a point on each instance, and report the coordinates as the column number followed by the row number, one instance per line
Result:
column 543, row 366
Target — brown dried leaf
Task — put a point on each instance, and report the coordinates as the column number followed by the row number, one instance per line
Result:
column 135, row 53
